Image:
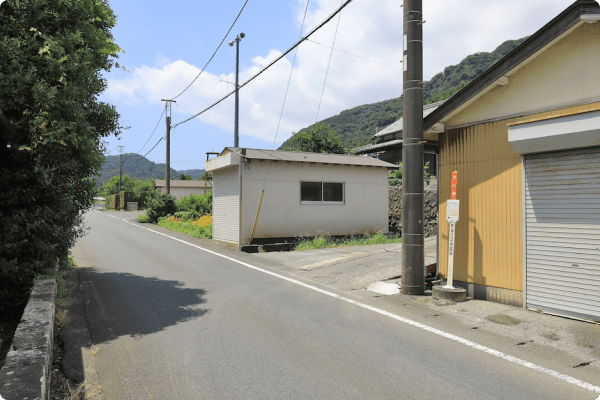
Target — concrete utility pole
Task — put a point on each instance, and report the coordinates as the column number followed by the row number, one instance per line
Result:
column 413, row 259
column 168, row 161
column 120, row 166
column 236, row 135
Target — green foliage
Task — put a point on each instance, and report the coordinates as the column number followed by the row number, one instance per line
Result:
column 136, row 190
column 356, row 125
column 395, row 177
column 318, row 139
column 53, row 54
column 187, row 228
column 184, row 177
column 142, row 219
column 323, row 242
column 196, row 205
column 65, row 265
column 160, row 205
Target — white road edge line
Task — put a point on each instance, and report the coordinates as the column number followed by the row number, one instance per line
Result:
column 466, row 342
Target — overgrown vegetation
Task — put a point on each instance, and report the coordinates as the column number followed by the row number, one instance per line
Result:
column 160, row 205
column 139, row 190
column 192, row 228
column 325, row 242
column 194, row 206
column 66, row 265
column 356, row 125
column 52, row 58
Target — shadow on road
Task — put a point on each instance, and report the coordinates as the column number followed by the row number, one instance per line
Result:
column 111, row 305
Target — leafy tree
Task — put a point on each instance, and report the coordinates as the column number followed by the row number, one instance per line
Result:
column 52, row 56
column 184, row 177
column 318, row 139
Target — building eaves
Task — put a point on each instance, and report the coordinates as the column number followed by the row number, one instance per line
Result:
column 315, row 158
column 370, row 148
column 536, row 42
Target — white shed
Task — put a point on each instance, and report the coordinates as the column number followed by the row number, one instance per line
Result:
column 182, row 188
column 305, row 194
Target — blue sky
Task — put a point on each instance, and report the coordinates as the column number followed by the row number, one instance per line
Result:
column 167, row 43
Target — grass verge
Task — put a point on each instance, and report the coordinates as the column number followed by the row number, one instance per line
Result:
column 191, row 228
column 325, row 242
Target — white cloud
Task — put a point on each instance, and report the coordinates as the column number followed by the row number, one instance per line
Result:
column 369, row 28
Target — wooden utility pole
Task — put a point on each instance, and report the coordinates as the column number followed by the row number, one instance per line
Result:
column 413, row 257
column 168, row 161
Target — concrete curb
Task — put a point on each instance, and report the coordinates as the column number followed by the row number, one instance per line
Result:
column 26, row 372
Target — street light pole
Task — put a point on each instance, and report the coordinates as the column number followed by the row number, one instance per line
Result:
column 236, row 134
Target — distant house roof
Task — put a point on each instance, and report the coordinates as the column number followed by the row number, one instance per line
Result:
column 315, row 158
column 183, row 183
column 397, row 126
column 380, row 146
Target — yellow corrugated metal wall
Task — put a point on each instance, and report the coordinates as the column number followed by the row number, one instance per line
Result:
column 488, row 247
column 489, row 235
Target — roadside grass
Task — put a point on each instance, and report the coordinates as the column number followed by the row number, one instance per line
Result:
column 64, row 267
column 325, row 242
column 200, row 228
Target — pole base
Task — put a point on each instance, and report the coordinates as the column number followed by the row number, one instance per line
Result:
column 412, row 290
column 456, row 294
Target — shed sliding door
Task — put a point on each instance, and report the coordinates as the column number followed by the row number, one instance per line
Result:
column 562, row 208
column 226, row 205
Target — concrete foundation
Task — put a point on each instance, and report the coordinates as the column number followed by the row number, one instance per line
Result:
column 457, row 294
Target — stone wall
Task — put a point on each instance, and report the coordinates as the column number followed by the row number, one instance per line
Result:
column 429, row 210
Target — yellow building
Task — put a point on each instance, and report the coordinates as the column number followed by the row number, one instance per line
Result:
column 525, row 139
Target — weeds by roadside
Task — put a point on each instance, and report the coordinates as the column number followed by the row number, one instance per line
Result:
column 200, row 228
column 64, row 267
column 324, row 242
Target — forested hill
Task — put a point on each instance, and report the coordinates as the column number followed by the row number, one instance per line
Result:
column 138, row 166
column 357, row 124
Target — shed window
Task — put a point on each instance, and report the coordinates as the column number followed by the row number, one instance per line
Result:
column 321, row 192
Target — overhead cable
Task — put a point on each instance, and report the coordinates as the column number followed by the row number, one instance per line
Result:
column 272, row 62
column 220, row 44
column 152, row 132
column 328, row 63
column 355, row 55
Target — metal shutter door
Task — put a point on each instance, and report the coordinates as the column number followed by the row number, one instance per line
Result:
column 226, row 205
column 562, row 208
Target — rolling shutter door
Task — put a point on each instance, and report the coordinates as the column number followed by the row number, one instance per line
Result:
column 226, row 205
column 562, row 208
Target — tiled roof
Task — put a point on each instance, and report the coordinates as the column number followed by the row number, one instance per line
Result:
column 397, row 126
column 380, row 146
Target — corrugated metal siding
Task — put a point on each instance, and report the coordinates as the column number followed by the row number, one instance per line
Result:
column 563, row 232
column 226, row 205
column 489, row 247
column 282, row 215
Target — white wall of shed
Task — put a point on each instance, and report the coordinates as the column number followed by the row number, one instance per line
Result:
column 365, row 208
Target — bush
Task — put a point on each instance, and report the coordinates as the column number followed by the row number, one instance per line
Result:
column 187, row 215
column 142, row 218
column 160, row 205
column 198, row 204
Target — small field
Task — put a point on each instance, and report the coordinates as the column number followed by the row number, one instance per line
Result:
column 326, row 242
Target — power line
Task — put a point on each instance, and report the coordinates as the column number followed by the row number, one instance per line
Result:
column 288, row 83
column 272, row 62
column 152, row 132
column 355, row 55
column 220, row 44
column 328, row 63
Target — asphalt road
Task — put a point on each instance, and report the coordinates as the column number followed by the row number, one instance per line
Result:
column 170, row 320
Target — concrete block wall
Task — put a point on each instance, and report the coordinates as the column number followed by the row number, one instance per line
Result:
column 26, row 371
